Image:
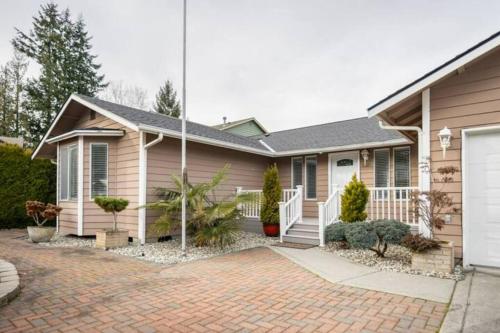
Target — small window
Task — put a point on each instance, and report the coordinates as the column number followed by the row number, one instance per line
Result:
column 311, row 164
column 296, row 171
column 68, row 172
column 98, row 169
column 381, row 165
column 401, row 169
column 345, row 162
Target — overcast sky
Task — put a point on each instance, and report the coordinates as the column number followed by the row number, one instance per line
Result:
column 287, row 63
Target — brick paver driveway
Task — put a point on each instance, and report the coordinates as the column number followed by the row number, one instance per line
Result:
column 86, row 290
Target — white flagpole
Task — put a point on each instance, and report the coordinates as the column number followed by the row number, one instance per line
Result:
column 183, row 163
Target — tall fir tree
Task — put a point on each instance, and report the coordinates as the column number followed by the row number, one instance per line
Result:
column 18, row 67
column 6, row 115
column 62, row 49
column 167, row 102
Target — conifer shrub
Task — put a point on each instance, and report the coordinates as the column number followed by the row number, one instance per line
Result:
column 271, row 196
column 353, row 201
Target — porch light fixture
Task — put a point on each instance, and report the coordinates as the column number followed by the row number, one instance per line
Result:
column 445, row 139
column 364, row 155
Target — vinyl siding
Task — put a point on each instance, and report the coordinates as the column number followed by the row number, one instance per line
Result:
column 246, row 129
column 164, row 160
column 470, row 99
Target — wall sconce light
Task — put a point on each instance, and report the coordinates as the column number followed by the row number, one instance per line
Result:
column 445, row 139
column 364, row 155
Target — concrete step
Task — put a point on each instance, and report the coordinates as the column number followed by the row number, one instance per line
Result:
column 302, row 232
column 308, row 226
column 301, row 239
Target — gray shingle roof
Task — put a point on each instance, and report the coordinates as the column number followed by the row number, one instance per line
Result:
column 336, row 134
column 340, row 133
column 137, row 117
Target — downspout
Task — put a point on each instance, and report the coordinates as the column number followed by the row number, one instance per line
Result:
column 143, row 166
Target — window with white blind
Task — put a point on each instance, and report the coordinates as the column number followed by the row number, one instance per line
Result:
column 296, row 171
column 98, row 169
column 402, row 167
column 311, row 164
column 68, row 172
column 381, row 163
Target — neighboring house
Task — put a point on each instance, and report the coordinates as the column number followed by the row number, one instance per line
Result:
column 245, row 127
column 12, row 140
column 107, row 149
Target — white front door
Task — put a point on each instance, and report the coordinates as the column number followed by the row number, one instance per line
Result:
column 482, row 198
column 342, row 167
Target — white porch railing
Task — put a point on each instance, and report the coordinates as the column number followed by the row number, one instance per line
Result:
column 252, row 209
column 328, row 213
column 392, row 203
column 290, row 211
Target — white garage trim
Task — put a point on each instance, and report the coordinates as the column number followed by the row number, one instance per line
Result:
column 465, row 205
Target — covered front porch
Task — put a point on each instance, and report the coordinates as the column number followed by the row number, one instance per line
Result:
column 298, row 226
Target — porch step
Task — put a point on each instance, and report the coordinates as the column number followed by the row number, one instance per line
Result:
column 301, row 239
column 305, row 226
column 302, row 232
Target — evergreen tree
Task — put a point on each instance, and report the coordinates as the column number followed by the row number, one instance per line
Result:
column 166, row 101
column 6, row 115
column 271, row 196
column 354, row 200
column 62, row 49
column 18, row 66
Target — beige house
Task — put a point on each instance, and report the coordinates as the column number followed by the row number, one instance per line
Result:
column 107, row 149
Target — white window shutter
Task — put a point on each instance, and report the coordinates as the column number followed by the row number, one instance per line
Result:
column 99, row 170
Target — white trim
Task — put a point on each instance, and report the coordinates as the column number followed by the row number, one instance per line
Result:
column 428, row 81
column 80, row 186
column 268, row 147
column 394, row 164
column 143, row 183
column 85, row 132
column 352, row 147
column 305, row 177
column 346, row 154
column 201, row 139
column 90, row 167
column 302, row 170
column 466, row 132
column 92, row 106
column 58, row 154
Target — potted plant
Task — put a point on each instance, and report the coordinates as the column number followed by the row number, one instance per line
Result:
column 430, row 253
column 111, row 238
column 41, row 213
column 271, row 196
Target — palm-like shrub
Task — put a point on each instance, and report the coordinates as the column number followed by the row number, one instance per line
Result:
column 354, row 200
column 112, row 205
column 212, row 222
column 271, row 196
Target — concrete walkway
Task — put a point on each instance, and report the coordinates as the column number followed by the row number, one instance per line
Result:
column 476, row 304
column 336, row 269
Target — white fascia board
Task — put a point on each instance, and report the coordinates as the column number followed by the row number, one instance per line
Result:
column 91, row 106
column 204, row 140
column 425, row 83
column 344, row 148
column 84, row 132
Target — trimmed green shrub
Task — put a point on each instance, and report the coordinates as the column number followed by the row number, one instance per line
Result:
column 335, row 232
column 419, row 243
column 271, row 196
column 354, row 200
column 376, row 235
column 21, row 180
column 112, row 205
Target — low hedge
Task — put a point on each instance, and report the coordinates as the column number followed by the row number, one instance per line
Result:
column 23, row 179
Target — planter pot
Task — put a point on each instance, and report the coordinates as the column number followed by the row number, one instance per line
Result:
column 41, row 234
column 438, row 260
column 271, row 230
column 109, row 239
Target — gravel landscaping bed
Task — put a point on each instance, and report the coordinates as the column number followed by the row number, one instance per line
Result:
column 397, row 259
column 169, row 252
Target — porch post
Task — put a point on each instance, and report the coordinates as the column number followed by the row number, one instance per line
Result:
column 424, row 154
column 300, row 189
column 282, row 220
column 321, row 223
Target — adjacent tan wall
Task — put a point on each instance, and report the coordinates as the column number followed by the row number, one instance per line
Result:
column 164, row 160
column 470, row 99
column 310, row 207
